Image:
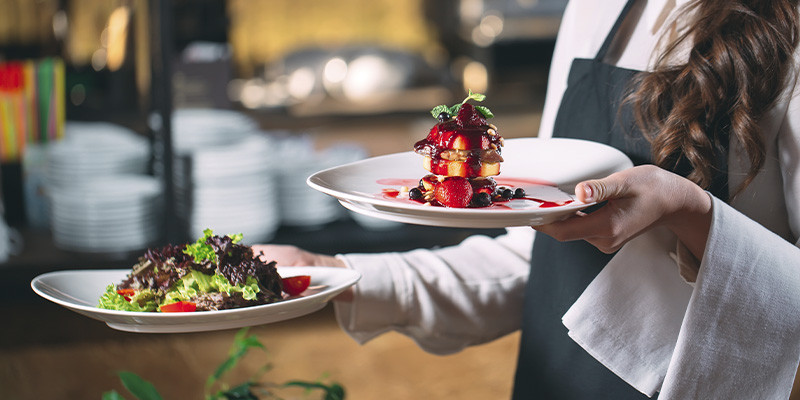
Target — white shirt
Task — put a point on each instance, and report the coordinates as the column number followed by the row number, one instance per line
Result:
column 738, row 331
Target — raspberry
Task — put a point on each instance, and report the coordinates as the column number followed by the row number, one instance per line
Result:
column 454, row 192
column 469, row 116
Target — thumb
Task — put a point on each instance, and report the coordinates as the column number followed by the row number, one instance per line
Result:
column 598, row 190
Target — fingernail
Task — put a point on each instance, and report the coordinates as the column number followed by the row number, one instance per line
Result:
column 588, row 192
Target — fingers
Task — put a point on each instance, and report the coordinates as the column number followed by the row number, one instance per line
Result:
column 605, row 229
column 292, row 256
column 594, row 225
column 597, row 190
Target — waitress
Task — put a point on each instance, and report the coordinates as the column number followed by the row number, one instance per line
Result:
column 686, row 282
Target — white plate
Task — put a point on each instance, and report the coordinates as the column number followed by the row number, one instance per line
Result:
column 80, row 291
column 547, row 169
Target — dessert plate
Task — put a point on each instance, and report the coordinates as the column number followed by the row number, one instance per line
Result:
column 548, row 170
column 80, row 290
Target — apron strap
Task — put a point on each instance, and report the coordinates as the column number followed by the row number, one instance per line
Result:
column 601, row 54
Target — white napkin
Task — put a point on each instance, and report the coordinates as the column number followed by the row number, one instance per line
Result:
column 629, row 317
column 735, row 334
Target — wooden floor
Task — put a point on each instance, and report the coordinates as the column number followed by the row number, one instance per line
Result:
column 48, row 352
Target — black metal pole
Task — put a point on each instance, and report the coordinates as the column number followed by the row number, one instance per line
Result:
column 160, row 119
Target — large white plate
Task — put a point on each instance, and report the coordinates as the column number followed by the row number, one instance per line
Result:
column 80, row 291
column 547, row 169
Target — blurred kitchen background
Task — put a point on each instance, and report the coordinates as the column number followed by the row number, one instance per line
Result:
column 128, row 124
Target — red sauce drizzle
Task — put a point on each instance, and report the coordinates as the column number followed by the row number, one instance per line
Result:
column 390, row 193
column 548, row 204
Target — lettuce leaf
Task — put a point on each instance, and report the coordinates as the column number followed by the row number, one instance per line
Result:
column 196, row 282
column 144, row 300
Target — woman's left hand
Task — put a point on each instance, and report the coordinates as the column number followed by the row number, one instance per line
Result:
column 638, row 199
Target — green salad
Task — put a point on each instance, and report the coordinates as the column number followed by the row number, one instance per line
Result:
column 214, row 273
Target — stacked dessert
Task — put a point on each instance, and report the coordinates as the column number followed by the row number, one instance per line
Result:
column 462, row 154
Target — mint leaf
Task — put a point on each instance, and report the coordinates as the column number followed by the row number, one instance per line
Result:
column 485, row 111
column 454, row 109
column 474, row 96
column 439, row 109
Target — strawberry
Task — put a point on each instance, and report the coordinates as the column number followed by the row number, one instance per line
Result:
column 454, row 192
column 469, row 116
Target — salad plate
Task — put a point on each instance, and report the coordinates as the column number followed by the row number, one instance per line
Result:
column 80, row 290
column 547, row 169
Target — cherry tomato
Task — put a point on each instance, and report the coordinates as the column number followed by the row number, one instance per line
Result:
column 126, row 293
column 295, row 285
column 179, row 306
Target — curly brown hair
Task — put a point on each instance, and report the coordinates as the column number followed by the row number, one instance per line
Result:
column 740, row 55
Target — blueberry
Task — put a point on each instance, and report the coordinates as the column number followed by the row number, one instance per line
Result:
column 443, row 116
column 483, row 199
column 415, row 194
column 507, row 194
column 519, row 193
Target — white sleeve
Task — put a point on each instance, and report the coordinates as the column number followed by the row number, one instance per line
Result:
column 444, row 299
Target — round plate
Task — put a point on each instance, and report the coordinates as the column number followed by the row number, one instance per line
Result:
column 548, row 170
column 80, row 291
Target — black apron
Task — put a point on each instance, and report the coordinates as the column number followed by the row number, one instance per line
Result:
column 551, row 365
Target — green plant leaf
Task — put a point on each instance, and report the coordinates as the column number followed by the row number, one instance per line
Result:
column 241, row 392
column 241, row 344
column 112, row 395
column 138, row 387
column 333, row 391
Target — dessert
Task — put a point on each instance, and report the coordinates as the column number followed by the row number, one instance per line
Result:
column 214, row 273
column 462, row 152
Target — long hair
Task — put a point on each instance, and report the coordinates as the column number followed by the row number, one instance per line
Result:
column 740, row 53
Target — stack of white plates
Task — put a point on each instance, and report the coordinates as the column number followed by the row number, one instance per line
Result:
column 224, row 175
column 110, row 214
column 100, row 199
column 194, row 128
column 93, row 149
column 301, row 206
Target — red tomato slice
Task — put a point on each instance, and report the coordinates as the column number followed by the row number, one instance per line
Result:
column 179, row 306
column 295, row 285
column 126, row 293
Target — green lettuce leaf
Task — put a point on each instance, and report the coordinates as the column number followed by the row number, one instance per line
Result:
column 195, row 282
column 144, row 300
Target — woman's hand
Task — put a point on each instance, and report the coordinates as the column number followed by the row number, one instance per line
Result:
column 292, row 256
column 638, row 199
